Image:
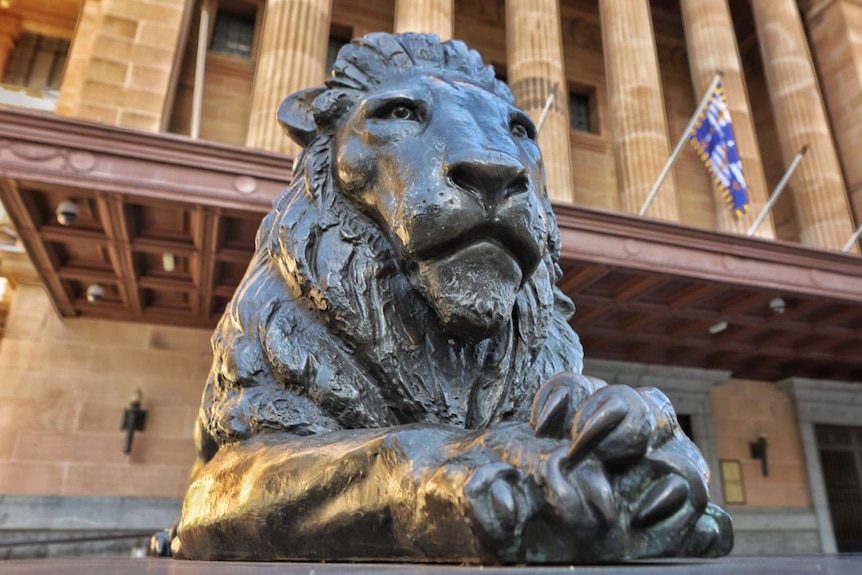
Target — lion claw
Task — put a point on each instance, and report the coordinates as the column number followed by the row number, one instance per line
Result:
column 662, row 500
column 713, row 535
column 600, row 496
column 503, row 504
column 497, row 501
column 603, row 420
column 552, row 418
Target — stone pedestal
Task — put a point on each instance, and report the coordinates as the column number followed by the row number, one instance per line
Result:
column 535, row 69
column 636, row 106
column 822, row 206
column 426, row 16
column 292, row 57
column 711, row 44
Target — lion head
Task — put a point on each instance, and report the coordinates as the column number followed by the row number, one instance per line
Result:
column 407, row 274
column 430, row 147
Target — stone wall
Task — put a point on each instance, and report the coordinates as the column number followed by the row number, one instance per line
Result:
column 741, row 411
column 63, row 388
column 120, row 63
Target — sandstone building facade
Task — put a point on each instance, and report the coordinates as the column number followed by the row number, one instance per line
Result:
column 101, row 97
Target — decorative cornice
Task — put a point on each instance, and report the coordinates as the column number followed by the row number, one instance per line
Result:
column 659, row 246
column 40, row 147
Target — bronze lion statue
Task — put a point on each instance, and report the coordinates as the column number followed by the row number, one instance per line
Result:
column 395, row 377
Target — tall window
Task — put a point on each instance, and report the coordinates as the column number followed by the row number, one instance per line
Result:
column 579, row 112
column 36, row 62
column 582, row 110
column 338, row 37
column 233, row 34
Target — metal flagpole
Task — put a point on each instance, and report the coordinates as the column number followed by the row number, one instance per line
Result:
column 545, row 110
column 676, row 152
column 852, row 239
column 200, row 70
column 777, row 192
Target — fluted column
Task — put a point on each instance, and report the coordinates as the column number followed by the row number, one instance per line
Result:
column 292, row 57
column 10, row 28
column 711, row 43
column 636, row 106
column 822, row 206
column 426, row 16
column 535, row 68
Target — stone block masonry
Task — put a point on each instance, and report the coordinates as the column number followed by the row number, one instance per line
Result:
column 63, row 389
column 118, row 43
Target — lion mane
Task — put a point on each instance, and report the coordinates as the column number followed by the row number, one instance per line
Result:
column 323, row 332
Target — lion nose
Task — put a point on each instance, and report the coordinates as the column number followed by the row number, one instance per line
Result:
column 492, row 177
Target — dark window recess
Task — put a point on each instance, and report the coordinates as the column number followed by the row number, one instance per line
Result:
column 500, row 72
column 579, row 112
column 37, row 62
column 233, row 34
column 332, row 49
column 685, row 423
column 841, row 460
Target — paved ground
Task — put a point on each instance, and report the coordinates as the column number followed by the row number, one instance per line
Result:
column 804, row 565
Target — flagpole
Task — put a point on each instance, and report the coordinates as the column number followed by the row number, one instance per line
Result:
column 685, row 136
column 777, row 192
column 852, row 239
column 545, row 110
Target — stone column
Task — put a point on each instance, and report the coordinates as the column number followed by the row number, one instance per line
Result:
column 837, row 46
column 822, row 206
column 636, row 106
column 292, row 57
column 535, row 68
column 78, row 61
column 10, row 28
column 426, row 16
column 711, row 43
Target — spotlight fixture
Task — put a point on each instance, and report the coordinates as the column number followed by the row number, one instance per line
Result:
column 777, row 305
column 718, row 327
column 168, row 262
column 95, row 293
column 67, row 212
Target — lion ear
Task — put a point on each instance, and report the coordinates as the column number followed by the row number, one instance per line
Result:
column 296, row 115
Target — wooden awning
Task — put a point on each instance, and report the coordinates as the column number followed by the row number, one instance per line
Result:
column 646, row 290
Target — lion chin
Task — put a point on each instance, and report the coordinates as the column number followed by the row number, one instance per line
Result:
column 473, row 289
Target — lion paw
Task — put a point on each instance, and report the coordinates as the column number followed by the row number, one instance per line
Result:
column 557, row 402
column 499, row 503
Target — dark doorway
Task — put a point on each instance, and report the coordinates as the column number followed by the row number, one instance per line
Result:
column 841, row 458
column 685, row 423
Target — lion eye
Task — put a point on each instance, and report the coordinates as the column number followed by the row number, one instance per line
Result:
column 402, row 113
column 519, row 130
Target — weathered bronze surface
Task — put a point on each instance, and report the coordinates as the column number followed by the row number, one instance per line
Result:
column 395, row 378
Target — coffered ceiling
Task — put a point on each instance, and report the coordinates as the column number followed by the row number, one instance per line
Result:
column 645, row 290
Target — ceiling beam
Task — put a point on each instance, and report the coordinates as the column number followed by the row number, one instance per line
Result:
column 46, row 266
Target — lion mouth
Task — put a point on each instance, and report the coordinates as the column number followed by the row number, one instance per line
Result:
column 519, row 246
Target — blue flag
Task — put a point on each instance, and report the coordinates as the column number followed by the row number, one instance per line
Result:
column 712, row 137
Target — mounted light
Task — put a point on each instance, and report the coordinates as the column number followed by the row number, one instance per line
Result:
column 168, row 262
column 777, row 305
column 134, row 419
column 718, row 327
column 758, row 451
column 67, row 211
column 95, row 293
